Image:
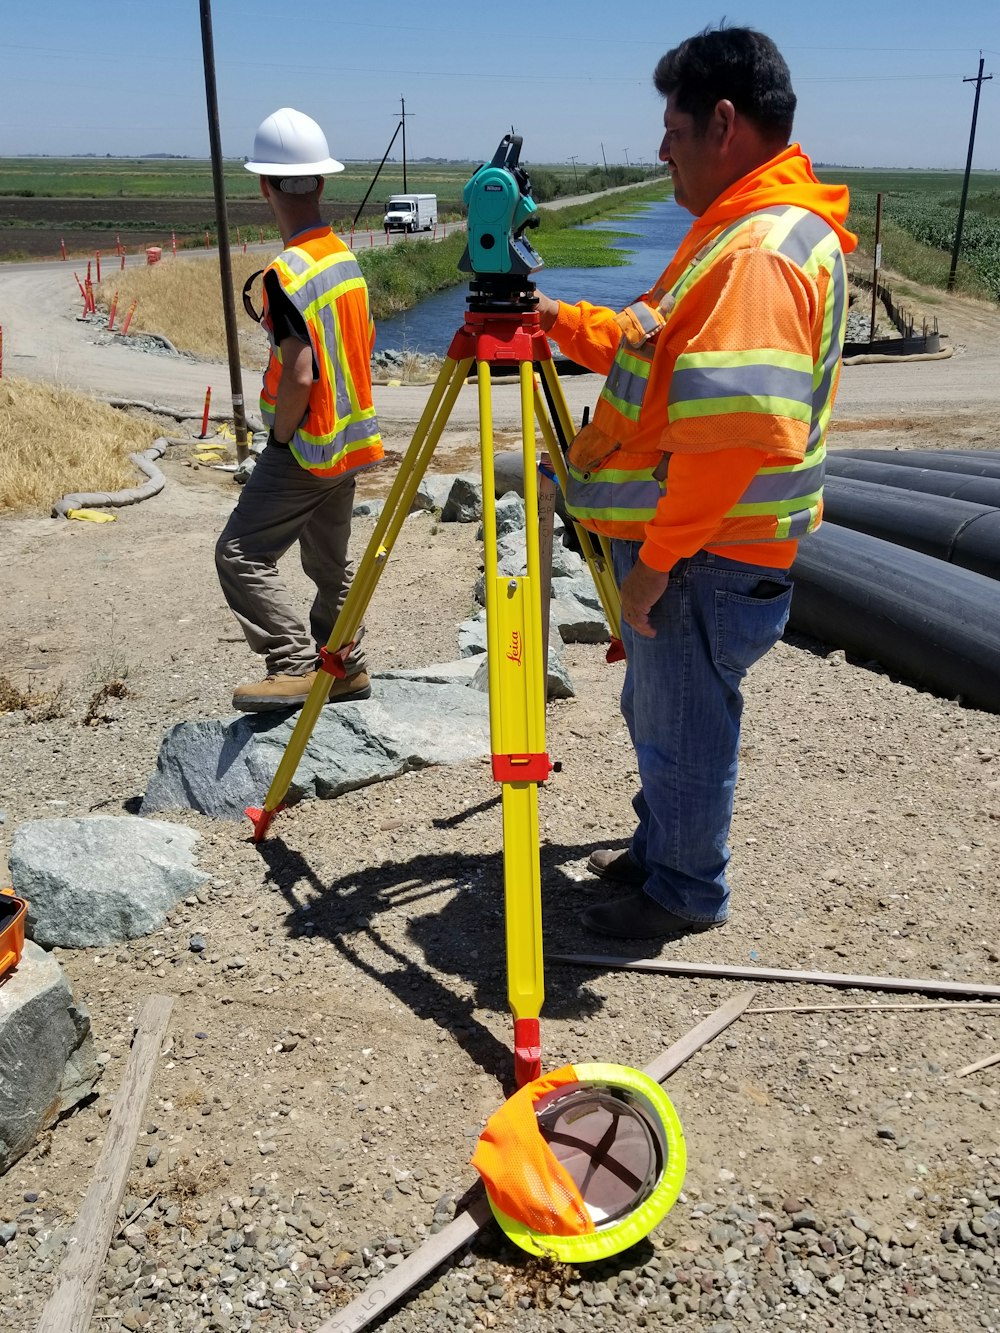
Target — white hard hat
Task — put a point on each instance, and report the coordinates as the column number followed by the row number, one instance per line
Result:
column 290, row 143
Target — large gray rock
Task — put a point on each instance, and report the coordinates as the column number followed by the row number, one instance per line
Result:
column 433, row 491
column 47, row 1062
column 577, row 623
column 472, row 636
column 368, row 508
column 221, row 767
column 559, row 685
column 465, row 500
column 508, row 475
column 509, row 510
column 439, row 673
column 101, row 879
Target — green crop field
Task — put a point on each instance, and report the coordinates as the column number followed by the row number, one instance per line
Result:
column 189, row 178
column 919, row 217
column 89, row 203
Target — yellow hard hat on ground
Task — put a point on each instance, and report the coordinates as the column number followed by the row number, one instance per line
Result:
column 582, row 1162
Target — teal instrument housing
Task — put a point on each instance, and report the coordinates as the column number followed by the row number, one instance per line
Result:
column 500, row 208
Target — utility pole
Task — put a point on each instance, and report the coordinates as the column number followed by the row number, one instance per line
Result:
column 605, row 160
column 627, row 162
column 576, row 181
column 222, row 223
column 979, row 80
column 403, row 113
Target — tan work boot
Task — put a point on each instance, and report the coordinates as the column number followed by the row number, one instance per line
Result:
column 273, row 692
column 350, row 688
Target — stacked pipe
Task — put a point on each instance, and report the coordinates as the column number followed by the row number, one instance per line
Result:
column 905, row 570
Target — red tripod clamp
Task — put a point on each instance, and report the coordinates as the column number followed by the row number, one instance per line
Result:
column 333, row 662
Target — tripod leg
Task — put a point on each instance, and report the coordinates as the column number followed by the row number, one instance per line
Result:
column 557, row 432
column 517, row 731
column 390, row 521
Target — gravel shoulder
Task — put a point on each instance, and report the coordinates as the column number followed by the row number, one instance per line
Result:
column 338, row 1044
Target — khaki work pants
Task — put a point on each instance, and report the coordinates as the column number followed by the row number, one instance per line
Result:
column 282, row 503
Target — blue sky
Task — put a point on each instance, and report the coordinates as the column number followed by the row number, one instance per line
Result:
column 878, row 84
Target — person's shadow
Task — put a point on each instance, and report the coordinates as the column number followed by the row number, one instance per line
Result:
column 464, row 938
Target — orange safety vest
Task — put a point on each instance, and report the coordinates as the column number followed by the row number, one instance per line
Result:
column 339, row 432
column 661, row 396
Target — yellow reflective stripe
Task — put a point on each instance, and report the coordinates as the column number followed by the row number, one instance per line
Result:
column 316, row 267
column 762, row 356
column 775, row 507
column 620, row 405
column 759, row 406
column 781, row 226
column 815, row 456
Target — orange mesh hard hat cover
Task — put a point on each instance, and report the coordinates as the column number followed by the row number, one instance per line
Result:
column 521, row 1173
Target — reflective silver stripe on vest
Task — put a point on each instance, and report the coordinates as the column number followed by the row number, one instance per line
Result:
column 318, row 455
column 773, row 487
column 608, row 499
column 736, row 381
column 626, row 384
column 645, row 317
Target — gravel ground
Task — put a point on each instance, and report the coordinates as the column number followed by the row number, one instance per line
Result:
column 341, row 1032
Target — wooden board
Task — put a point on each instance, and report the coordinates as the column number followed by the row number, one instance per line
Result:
column 723, row 971
column 69, row 1308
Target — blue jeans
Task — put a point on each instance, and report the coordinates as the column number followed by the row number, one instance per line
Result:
column 682, row 703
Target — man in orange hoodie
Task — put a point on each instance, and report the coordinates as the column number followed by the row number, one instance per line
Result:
column 704, row 459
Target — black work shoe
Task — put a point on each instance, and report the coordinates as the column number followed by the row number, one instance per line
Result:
column 639, row 917
column 618, row 866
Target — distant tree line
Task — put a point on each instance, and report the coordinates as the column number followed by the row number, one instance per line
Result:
column 546, row 185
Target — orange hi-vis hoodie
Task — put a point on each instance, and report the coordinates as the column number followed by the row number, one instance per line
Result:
column 755, row 310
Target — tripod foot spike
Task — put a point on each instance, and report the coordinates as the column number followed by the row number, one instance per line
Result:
column 261, row 820
column 527, row 1050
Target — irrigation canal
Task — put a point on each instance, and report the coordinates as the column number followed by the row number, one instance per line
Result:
column 655, row 231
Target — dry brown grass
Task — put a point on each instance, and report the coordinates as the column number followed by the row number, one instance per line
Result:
column 181, row 300
column 53, row 441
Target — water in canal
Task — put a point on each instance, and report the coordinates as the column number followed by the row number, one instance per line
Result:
column 655, row 231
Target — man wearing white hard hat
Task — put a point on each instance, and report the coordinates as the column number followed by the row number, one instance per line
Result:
column 316, row 401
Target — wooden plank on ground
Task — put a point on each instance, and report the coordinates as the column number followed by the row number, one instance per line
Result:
column 980, row 1064
column 385, row 1290
column 69, row 1308
column 725, row 972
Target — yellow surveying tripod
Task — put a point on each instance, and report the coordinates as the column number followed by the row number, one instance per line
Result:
column 501, row 328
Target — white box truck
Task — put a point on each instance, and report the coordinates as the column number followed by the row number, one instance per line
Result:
column 410, row 212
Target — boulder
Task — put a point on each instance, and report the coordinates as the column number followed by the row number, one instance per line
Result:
column 559, row 685
column 465, row 500
column 367, row 508
column 472, row 635
column 101, row 879
column 509, row 516
column 433, row 491
column 47, row 1061
column 440, row 673
column 220, row 767
column 578, row 623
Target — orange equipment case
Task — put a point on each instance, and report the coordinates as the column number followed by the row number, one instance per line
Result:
column 13, row 910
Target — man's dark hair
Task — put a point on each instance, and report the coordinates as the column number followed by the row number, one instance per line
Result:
column 738, row 65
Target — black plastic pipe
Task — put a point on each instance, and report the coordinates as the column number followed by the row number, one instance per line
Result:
column 957, row 485
column 923, row 620
column 957, row 531
column 973, row 464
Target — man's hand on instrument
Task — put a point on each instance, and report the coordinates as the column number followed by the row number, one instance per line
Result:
column 642, row 589
column 547, row 309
